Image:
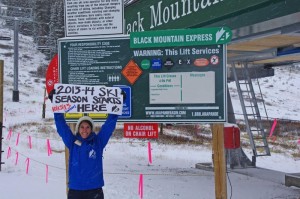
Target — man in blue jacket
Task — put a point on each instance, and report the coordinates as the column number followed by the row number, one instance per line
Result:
column 86, row 151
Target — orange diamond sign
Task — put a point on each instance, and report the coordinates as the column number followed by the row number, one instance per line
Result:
column 131, row 71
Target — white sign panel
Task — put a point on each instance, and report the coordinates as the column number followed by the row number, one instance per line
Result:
column 93, row 17
column 182, row 88
column 70, row 98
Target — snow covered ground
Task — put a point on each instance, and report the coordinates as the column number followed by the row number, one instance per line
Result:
column 280, row 93
column 31, row 170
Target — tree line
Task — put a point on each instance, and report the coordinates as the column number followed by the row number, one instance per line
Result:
column 46, row 24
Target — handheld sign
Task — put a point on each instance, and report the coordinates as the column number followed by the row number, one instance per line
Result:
column 70, row 98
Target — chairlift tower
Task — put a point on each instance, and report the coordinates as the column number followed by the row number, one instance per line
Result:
column 16, row 14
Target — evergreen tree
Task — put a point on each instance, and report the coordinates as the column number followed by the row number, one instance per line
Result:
column 41, row 12
column 20, row 10
column 47, row 24
column 56, row 25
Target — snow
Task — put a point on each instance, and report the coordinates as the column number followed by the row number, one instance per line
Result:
column 280, row 92
column 172, row 174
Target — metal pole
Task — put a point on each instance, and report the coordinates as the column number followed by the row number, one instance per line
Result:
column 1, row 109
column 15, row 97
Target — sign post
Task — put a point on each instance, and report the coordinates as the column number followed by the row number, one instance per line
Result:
column 1, row 108
column 219, row 161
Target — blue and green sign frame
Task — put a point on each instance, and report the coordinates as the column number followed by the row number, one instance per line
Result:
column 168, row 81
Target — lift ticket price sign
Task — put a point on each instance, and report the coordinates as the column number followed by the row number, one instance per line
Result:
column 140, row 130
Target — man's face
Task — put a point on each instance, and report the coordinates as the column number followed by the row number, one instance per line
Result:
column 85, row 129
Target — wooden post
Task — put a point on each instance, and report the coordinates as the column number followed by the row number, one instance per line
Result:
column 67, row 154
column 44, row 105
column 161, row 129
column 219, row 162
column 1, row 108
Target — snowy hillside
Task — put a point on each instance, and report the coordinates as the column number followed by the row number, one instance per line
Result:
column 31, row 88
column 280, row 92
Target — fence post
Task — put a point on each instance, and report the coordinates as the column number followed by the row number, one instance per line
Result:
column 44, row 105
column 1, row 109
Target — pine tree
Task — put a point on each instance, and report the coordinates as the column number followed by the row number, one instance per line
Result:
column 41, row 12
column 47, row 23
column 56, row 25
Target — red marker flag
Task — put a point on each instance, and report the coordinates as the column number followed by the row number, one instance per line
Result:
column 49, row 147
column 141, row 186
column 27, row 165
column 149, row 153
column 273, row 127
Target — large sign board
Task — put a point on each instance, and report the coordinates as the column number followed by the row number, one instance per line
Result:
column 93, row 17
column 166, row 83
column 171, row 14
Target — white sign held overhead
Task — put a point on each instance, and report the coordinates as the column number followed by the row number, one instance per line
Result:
column 70, row 98
column 93, row 17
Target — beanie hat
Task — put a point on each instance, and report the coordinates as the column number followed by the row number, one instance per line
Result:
column 84, row 119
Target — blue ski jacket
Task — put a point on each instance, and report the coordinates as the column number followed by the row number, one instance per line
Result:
column 85, row 160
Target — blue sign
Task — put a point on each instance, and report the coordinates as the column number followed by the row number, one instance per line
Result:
column 156, row 64
column 126, row 112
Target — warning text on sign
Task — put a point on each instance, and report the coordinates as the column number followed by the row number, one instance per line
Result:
column 141, row 130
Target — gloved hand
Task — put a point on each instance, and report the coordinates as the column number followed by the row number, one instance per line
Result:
column 50, row 95
column 123, row 93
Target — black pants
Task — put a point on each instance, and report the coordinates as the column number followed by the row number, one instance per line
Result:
column 86, row 194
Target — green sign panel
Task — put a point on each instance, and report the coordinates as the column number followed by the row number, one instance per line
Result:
column 163, row 83
column 169, row 14
column 180, row 37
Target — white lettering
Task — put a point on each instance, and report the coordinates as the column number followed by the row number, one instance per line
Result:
column 160, row 14
column 174, row 16
column 196, row 6
column 166, row 15
column 188, row 7
column 136, row 25
column 156, row 17
column 203, row 6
